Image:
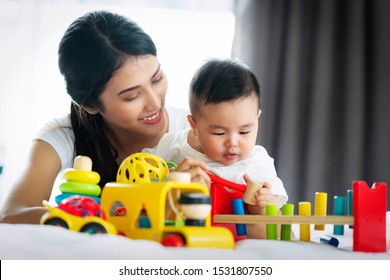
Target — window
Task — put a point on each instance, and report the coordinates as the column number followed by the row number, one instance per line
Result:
column 33, row 91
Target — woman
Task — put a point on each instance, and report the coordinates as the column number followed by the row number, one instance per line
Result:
column 118, row 93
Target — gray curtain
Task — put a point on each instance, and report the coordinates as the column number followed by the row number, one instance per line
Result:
column 324, row 72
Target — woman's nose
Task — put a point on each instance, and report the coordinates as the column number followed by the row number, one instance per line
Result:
column 153, row 100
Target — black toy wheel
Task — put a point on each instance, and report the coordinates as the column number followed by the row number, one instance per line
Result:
column 57, row 222
column 93, row 228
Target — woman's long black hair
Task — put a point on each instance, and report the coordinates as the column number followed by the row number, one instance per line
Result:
column 92, row 48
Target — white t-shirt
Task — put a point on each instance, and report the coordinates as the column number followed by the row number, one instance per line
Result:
column 258, row 165
column 59, row 134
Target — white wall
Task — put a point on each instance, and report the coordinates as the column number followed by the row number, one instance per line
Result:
column 33, row 90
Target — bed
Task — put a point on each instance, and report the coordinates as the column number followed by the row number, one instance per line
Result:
column 44, row 242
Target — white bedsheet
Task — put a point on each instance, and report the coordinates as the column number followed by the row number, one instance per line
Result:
column 25, row 242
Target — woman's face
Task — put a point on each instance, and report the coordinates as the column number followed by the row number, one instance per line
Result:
column 133, row 99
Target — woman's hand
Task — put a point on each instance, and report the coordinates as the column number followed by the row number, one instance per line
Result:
column 198, row 170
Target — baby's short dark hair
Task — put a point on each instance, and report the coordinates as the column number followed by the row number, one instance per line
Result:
column 222, row 80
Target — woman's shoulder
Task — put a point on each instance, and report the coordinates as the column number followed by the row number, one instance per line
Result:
column 59, row 134
column 56, row 124
column 177, row 118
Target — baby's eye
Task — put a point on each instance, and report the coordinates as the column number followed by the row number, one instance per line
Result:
column 244, row 132
column 218, row 133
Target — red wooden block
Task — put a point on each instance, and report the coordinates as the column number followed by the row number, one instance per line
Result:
column 222, row 193
column 369, row 210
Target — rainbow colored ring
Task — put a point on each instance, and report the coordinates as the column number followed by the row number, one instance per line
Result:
column 63, row 196
column 77, row 175
column 80, row 188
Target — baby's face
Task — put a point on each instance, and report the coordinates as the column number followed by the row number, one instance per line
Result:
column 227, row 131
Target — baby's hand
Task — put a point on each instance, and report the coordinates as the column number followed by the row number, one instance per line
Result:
column 261, row 198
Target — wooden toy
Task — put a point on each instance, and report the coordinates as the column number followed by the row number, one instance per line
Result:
column 350, row 204
column 238, row 209
column 339, row 210
column 251, row 188
column 369, row 211
column 271, row 229
column 368, row 220
column 320, row 203
column 286, row 231
column 304, row 209
column 223, row 192
column 195, row 208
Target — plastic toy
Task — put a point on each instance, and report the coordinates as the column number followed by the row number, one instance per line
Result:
column 82, row 206
column 142, row 168
column 329, row 240
column 80, row 180
column 152, row 197
column 78, row 205
column 146, row 202
column 80, row 214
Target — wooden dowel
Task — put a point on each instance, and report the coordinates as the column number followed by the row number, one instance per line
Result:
column 255, row 219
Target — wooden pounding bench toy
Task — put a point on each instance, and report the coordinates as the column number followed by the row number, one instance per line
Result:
column 367, row 208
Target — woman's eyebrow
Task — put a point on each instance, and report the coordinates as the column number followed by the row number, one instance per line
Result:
column 137, row 86
column 156, row 72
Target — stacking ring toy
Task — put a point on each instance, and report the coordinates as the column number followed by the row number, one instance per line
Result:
column 80, row 188
column 63, row 196
column 171, row 164
column 142, row 168
column 78, row 175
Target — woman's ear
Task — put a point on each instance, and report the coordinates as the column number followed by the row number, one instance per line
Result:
column 89, row 110
column 191, row 121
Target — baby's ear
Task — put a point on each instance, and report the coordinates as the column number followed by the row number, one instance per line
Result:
column 258, row 115
column 191, row 121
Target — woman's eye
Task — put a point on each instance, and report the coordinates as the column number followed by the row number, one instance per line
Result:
column 132, row 97
column 157, row 80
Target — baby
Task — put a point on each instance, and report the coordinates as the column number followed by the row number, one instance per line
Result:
column 224, row 103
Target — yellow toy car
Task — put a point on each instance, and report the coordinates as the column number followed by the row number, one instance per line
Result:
column 87, row 224
column 164, row 212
